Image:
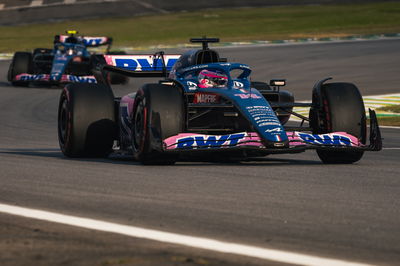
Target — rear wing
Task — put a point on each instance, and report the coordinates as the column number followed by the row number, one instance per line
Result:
column 155, row 65
column 87, row 40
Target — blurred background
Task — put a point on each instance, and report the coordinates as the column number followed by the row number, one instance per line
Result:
column 26, row 24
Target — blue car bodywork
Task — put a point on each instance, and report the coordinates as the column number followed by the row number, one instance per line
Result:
column 179, row 116
column 68, row 62
column 239, row 91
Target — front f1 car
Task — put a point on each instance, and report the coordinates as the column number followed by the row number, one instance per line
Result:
column 208, row 106
column 68, row 62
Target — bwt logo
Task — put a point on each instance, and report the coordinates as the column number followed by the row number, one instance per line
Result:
column 33, row 77
column 94, row 41
column 209, row 141
column 326, row 139
column 144, row 64
column 78, row 79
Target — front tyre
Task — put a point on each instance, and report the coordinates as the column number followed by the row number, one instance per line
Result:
column 157, row 115
column 341, row 109
column 20, row 64
column 86, row 120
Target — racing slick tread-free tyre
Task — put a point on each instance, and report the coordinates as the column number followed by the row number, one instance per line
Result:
column 86, row 120
column 21, row 63
column 343, row 111
column 157, row 114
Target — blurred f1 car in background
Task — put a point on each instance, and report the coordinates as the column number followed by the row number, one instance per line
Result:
column 68, row 62
column 205, row 105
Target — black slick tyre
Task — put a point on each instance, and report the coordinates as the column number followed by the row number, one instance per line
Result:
column 342, row 110
column 20, row 64
column 86, row 120
column 157, row 115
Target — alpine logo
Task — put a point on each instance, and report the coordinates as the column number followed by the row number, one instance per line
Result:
column 277, row 129
column 204, row 141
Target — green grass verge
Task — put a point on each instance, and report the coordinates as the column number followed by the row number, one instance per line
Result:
column 389, row 121
column 272, row 23
column 395, row 108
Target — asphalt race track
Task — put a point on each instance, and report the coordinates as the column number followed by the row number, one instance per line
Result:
column 286, row 202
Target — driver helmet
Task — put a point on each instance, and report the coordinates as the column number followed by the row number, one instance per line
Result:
column 71, row 39
column 212, row 79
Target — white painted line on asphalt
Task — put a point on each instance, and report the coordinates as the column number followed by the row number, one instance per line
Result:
column 35, row 3
column 190, row 241
column 391, row 127
column 390, row 148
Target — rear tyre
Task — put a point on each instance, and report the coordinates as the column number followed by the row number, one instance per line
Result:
column 342, row 109
column 20, row 64
column 86, row 120
column 157, row 115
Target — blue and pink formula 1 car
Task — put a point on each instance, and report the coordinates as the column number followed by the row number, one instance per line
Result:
column 68, row 62
column 206, row 106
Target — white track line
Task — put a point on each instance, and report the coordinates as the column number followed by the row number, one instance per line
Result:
column 391, row 127
column 190, row 241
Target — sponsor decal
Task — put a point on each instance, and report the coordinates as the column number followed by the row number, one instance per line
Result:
column 194, row 68
column 64, row 78
column 276, row 129
column 209, row 141
column 80, row 79
column 202, row 97
column 239, row 85
column 141, row 62
column 192, row 86
column 28, row 77
column 94, row 41
column 88, row 41
column 325, row 139
column 248, row 96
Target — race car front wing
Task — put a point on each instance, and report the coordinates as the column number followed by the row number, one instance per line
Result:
column 50, row 79
column 298, row 141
